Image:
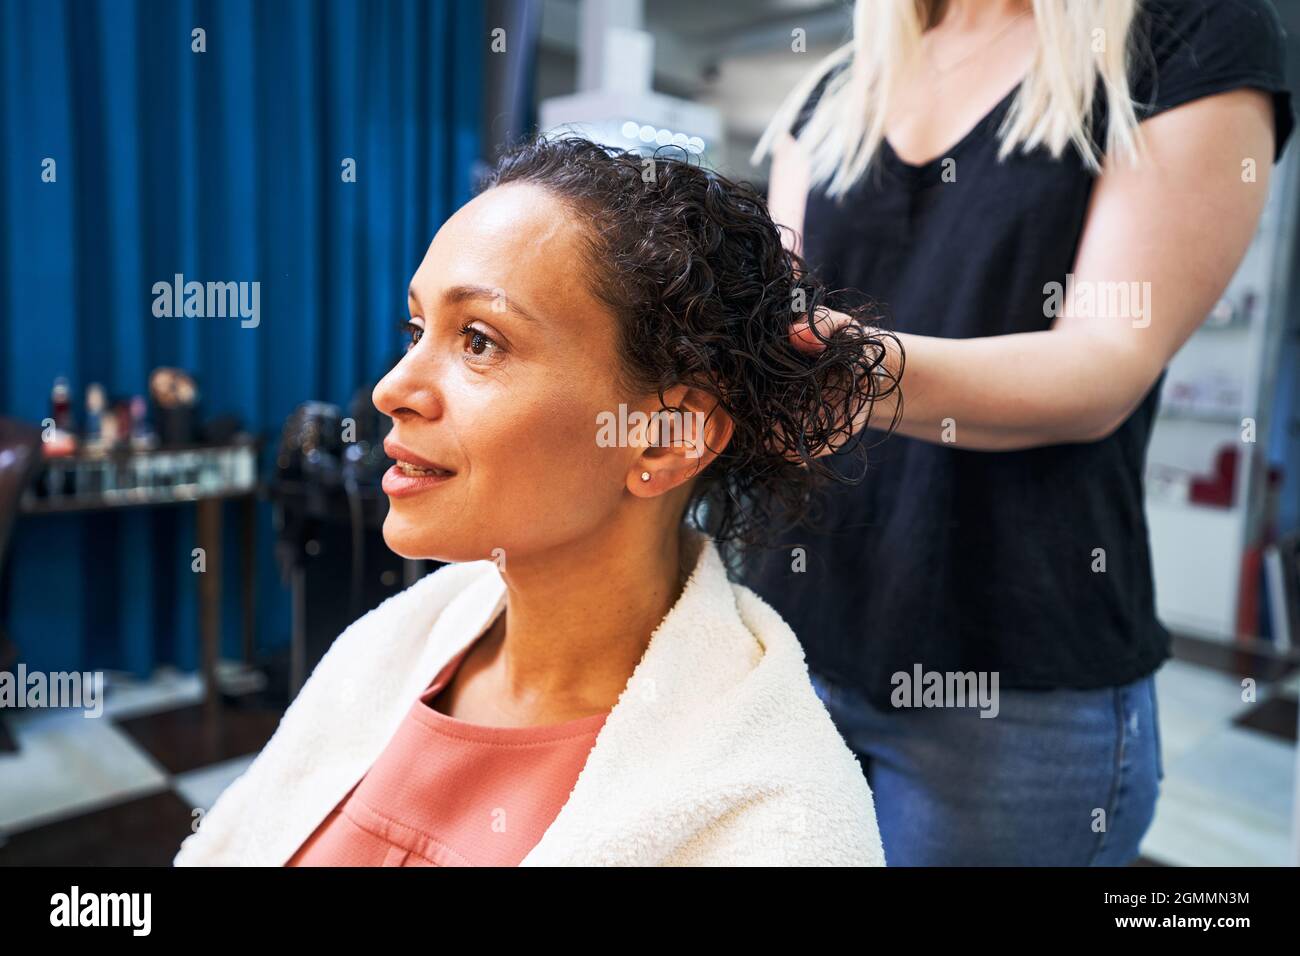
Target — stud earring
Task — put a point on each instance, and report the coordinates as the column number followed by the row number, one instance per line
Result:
column 645, row 476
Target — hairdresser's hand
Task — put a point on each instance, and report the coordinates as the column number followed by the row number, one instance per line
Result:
column 802, row 336
column 879, row 397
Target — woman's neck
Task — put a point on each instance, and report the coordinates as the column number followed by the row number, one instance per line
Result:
column 578, row 620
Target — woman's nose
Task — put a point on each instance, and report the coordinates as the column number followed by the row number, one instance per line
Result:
column 409, row 388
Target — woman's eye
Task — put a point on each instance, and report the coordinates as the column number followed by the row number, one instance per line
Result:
column 414, row 332
column 479, row 344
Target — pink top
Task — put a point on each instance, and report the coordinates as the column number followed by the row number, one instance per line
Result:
column 445, row 792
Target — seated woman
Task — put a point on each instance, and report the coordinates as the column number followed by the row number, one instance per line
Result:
column 582, row 683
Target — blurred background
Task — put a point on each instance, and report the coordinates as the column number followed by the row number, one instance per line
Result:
column 209, row 212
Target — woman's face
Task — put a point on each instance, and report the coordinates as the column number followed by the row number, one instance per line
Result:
column 512, row 361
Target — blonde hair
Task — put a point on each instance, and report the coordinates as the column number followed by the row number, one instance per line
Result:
column 1080, row 43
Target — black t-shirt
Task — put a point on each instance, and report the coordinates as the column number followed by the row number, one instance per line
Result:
column 962, row 560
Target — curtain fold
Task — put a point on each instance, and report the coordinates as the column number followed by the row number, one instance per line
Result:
column 225, row 166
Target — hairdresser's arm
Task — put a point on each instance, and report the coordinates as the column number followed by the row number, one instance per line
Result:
column 1181, row 222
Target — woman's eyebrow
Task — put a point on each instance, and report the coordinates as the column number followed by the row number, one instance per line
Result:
column 462, row 293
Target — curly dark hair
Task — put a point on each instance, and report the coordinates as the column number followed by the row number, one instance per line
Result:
column 706, row 295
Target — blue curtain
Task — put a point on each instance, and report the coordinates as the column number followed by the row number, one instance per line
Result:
column 223, row 165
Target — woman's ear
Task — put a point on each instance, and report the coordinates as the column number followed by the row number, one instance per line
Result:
column 682, row 438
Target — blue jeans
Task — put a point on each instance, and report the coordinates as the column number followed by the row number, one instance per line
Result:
column 1057, row 778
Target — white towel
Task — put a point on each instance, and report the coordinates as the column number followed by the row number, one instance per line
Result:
column 718, row 751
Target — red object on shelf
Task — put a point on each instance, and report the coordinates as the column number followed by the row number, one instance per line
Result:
column 60, row 445
column 1217, row 489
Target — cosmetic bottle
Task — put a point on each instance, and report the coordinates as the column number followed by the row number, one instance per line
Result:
column 94, row 413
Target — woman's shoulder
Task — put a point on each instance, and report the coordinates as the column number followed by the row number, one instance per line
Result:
column 1172, row 22
column 343, row 713
column 791, row 826
column 1185, row 48
column 821, row 804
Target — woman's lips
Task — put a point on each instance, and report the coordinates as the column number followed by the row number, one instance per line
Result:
column 412, row 474
column 398, row 482
column 403, row 455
